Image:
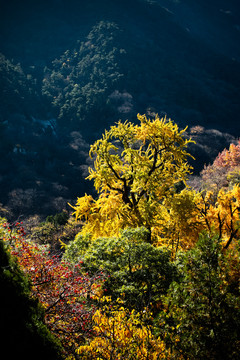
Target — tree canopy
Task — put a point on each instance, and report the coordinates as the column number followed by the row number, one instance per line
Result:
column 136, row 168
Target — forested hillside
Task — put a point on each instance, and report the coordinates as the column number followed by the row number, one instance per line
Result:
column 120, row 179
column 70, row 69
column 147, row 269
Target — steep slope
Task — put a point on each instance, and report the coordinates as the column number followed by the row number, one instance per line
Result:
column 84, row 65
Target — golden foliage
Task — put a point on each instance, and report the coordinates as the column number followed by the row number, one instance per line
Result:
column 183, row 217
column 179, row 223
column 122, row 335
column 136, row 168
column 223, row 215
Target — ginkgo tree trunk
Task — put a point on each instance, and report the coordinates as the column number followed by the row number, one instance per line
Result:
column 135, row 168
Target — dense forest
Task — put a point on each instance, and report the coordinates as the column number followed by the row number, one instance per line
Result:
column 120, row 179
column 70, row 69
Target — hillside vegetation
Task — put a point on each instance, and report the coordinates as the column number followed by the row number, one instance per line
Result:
column 70, row 69
column 120, row 179
column 149, row 269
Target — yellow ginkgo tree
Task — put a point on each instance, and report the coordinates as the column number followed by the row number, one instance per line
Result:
column 136, row 167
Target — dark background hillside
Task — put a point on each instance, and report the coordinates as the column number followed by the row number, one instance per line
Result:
column 69, row 69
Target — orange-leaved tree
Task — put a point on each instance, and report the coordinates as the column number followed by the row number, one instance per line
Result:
column 224, row 170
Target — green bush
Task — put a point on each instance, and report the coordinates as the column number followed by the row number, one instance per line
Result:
column 138, row 272
column 202, row 318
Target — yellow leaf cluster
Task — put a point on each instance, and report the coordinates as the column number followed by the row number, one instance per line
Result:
column 83, row 207
column 179, row 223
column 223, row 215
column 122, row 335
column 184, row 216
column 104, row 217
